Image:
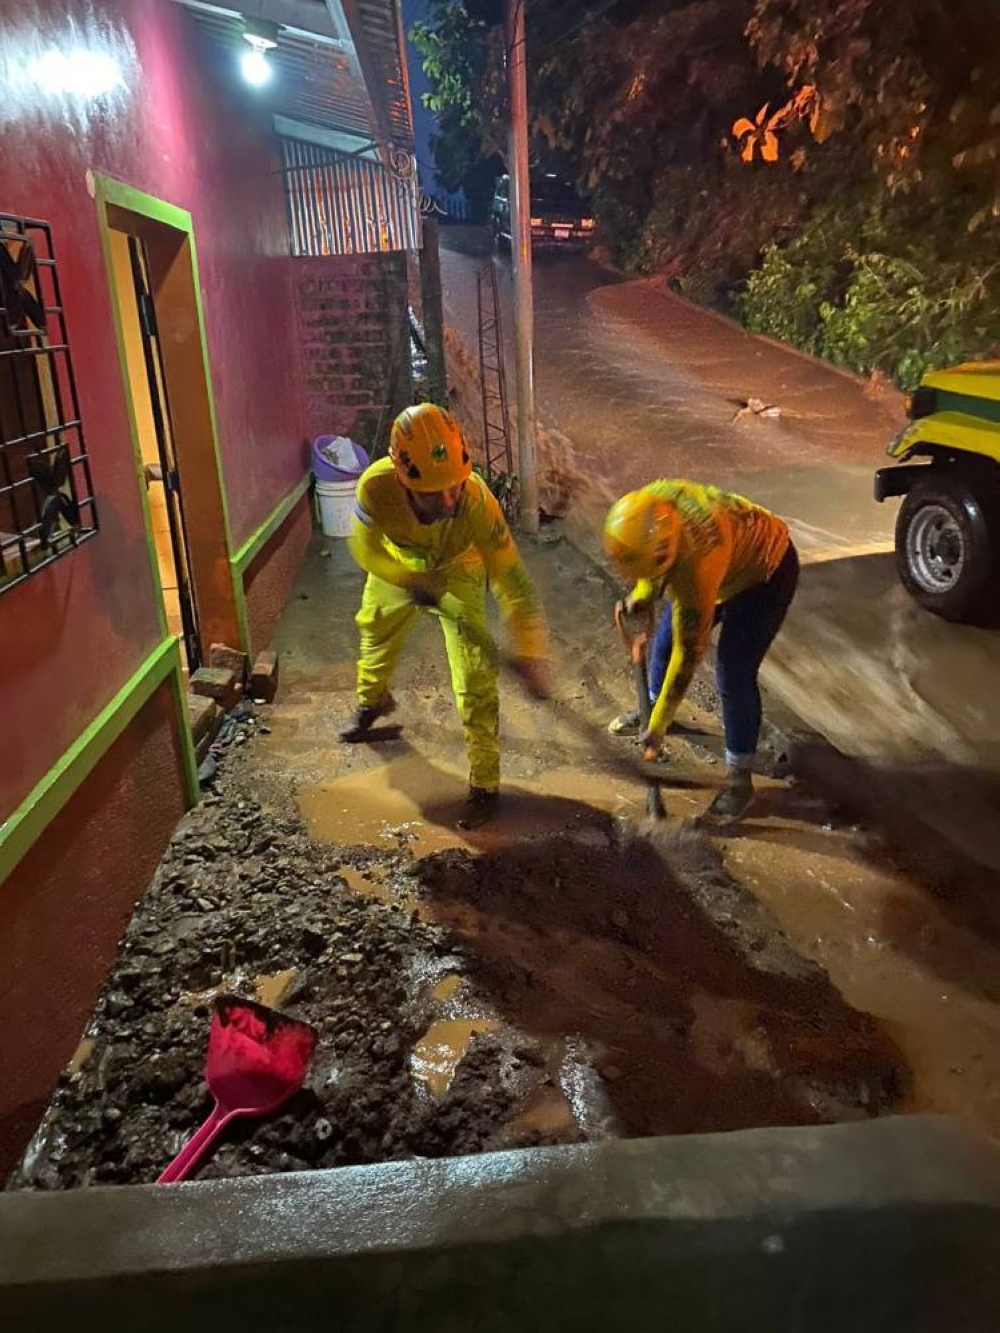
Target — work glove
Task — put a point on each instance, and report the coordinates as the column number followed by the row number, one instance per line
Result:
column 534, row 675
column 423, row 591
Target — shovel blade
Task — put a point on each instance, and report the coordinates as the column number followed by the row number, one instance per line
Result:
column 257, row 1058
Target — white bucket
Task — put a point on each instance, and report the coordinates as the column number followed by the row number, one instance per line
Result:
column 336, row 506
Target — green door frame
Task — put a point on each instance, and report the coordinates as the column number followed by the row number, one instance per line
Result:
column 110, row 193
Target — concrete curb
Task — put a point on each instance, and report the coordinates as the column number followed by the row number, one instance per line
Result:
column 884, row 1225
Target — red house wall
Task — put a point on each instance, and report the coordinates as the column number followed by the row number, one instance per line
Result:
column 179, row 127
column 64, row 908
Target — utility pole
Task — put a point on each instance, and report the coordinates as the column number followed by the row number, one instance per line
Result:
column 520, row 218
column 430, row 294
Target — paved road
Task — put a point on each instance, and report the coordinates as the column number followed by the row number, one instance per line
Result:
column 647, row 385
column 643, row 384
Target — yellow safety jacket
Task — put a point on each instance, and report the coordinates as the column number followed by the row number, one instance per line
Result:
column 390, row 542
column 727, row 544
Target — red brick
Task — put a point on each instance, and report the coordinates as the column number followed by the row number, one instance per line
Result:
column 204, row 715
column 217, row 683
column 229, row 659
column 264, row 677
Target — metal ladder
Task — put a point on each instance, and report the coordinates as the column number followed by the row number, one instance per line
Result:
column 493, row 377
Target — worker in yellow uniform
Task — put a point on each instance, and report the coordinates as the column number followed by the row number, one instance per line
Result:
column 714, row 558
column 431, row 535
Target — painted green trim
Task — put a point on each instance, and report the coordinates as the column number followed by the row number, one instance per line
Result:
column 255, row 543
column 38, row 809
column 189, row 759
column 110, row 191
column 242, row 617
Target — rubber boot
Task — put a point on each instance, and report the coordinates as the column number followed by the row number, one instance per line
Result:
column 734, row 799
column 479, row 808
column 365, row 718
column 626, row 724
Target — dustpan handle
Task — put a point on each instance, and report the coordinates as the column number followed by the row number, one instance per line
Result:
column 191, row 1155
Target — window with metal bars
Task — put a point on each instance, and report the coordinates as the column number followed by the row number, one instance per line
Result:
column 47, row 505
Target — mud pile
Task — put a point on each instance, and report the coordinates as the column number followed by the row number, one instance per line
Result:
column 245, row 904
column 586, row 984
column 694, row 1011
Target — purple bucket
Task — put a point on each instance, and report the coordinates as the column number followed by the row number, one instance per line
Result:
column 325, row 469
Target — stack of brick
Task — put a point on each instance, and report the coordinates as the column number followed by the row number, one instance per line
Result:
column 217, row 688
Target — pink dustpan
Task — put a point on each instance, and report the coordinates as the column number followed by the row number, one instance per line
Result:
column 257, row 1059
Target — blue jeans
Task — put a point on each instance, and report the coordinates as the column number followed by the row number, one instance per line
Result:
column 749, row 623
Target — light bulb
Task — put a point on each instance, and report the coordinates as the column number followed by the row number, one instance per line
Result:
column 256, row 68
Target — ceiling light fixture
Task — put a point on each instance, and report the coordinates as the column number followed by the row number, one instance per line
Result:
column 262, row 36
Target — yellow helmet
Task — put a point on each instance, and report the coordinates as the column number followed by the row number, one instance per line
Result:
column 641, row 535
column 428, row 450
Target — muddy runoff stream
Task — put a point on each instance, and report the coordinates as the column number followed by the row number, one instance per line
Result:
column 580, row 984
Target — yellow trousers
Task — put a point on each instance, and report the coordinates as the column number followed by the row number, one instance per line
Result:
column 384, row 620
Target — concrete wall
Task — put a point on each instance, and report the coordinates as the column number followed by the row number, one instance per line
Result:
column 878, row 1227
column 355, row 343
column 269, row 578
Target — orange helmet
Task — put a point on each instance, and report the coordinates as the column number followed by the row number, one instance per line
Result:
column 641, row 535
column 428, row 450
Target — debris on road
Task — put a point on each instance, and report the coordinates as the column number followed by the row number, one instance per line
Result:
column 264, row 677
column 224, row 658
column 218, row 683
column 580, row 985
column 756, row 407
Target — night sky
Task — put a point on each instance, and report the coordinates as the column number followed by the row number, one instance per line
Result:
column 424, row 121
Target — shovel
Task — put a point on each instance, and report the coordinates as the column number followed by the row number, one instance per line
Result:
column 610, row 756
column 635, row 641
column 257, row 1059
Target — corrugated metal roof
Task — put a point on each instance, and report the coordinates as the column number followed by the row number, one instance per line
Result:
column 377, row 28
column 343, row 72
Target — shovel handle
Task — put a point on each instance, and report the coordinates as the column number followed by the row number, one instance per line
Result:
column 635, row 628
column 194, row 1151
column 611, row 757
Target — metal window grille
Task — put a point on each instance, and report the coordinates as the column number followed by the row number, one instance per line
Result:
column 341, row 205
column 47, row 505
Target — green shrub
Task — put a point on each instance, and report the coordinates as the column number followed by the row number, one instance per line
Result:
column 879, row 285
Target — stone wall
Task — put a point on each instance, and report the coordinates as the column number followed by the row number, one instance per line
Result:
column 353, row 327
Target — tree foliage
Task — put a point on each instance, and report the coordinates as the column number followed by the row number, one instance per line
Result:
column 462, row 55
column 713, row 135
